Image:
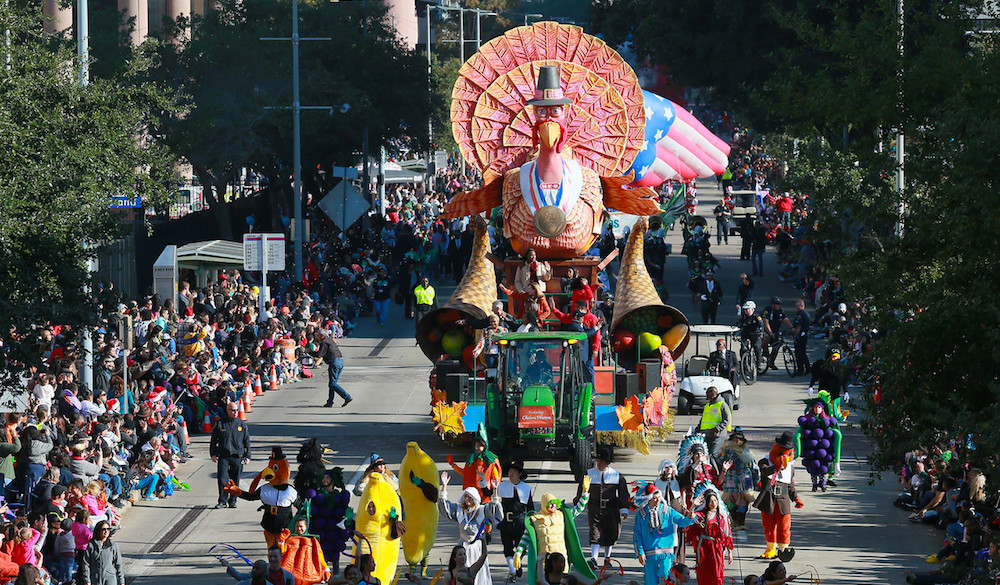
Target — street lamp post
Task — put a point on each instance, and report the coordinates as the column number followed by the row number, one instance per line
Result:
column 900, row 137
column 297, row 108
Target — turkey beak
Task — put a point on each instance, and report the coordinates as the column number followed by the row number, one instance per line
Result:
column 548, row 134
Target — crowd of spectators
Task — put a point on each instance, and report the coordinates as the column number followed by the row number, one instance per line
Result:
column 163, row 368
column 941, row 490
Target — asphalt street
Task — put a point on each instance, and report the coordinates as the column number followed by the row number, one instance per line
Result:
column 850, row 534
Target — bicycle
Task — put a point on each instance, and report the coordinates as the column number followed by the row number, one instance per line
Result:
column 787, row 355
column 748, row 362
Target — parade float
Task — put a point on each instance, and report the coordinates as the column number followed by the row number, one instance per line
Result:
column 556, row 122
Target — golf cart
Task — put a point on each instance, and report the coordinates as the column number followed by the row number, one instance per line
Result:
column 697, row 375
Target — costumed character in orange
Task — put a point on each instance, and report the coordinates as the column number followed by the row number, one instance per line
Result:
column 482, row 468
column 776, row 497
column 555, row 166
column 277, row 495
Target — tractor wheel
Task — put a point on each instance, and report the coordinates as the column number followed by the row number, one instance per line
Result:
column 583, row 457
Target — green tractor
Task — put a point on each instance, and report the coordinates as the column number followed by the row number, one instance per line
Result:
column 539, row 405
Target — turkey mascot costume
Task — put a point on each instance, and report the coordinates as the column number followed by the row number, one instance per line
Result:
column 277, row 497
column 776, row 497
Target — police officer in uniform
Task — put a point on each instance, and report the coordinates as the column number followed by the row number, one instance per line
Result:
column 752, row 328
column 230, row 449
column 607, row 507
column 716, row 420
column 426, row 299
column 515, row 497
column 774, row 318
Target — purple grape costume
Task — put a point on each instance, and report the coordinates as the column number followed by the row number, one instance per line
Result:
column 817, row 441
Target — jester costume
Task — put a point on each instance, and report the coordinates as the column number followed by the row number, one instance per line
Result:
column 654, row 536
column 818, row 439
column 546, row 532
column 738, row 483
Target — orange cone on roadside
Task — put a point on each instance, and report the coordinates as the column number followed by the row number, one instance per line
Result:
column 274, row 378
column 206, row 426
column 258, row 388
column 242, row 412
column 187, row 435
column 248, row 401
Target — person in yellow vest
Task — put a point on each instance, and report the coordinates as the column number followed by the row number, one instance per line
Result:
column 716, row 420
column 426, row 299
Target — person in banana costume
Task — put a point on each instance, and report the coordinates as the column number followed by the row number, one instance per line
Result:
column 380, row 521
column 552, row 530
column 418, row 489
column 472, row 517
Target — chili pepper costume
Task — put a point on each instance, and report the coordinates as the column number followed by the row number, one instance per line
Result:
column 482, row 468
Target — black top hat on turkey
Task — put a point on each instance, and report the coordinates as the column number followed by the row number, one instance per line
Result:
column 548, row 90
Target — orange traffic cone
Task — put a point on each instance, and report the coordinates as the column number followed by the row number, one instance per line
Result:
column 248, row 401
column 274, row 378
column 258, row 388
column 243, row 412
column 206, row 426
column 187, row 436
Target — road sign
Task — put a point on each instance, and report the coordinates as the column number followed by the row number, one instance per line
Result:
column 440, row 160
column 344, row 204
column 253, row 258
column 122, row 202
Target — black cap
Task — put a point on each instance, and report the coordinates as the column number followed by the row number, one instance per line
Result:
column 276, row 453
column 775, row 301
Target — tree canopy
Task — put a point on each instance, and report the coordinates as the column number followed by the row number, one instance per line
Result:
column 65, row 150
column 830, row 88
column 237, row 88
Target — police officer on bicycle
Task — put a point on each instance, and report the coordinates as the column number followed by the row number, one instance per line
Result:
column 774, row 318
column 752, row 330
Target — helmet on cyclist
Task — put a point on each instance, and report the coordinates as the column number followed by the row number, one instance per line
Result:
column 775, row 301
column 750, row 305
